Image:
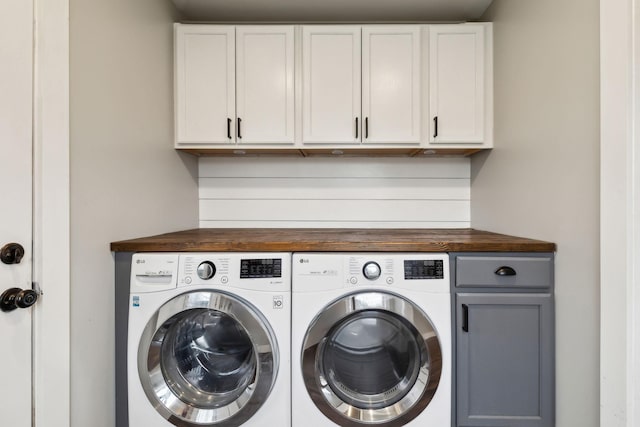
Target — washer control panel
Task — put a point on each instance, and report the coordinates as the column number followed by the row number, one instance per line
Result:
column 260, row 268
column 371, row 270
column 264, row 271
column 152, row 272
column 206, row 270
column 203, row 269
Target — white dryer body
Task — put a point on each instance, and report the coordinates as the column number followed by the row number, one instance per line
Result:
column 371, row 339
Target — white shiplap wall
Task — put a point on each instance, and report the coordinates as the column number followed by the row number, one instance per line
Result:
column 334, row 192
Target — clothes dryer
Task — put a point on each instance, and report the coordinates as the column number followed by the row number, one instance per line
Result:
column 209, row 339
column 371, row 340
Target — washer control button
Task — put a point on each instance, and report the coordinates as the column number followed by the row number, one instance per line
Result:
column 206, row 270
column 187, row 280
column 389, row 280
column 371, row 270
column 353, row 280
column 224, row 279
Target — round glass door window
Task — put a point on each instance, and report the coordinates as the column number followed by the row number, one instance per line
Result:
column 376, row 360
column 206, row 358
column 371, row 359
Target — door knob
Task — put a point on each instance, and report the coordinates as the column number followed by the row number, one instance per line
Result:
column 17, row 298
column 11, row 253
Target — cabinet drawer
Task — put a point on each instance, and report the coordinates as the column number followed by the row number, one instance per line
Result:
column 499, row 271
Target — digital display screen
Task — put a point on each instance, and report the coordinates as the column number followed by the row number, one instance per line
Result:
column 423, row 269
column 260, row 268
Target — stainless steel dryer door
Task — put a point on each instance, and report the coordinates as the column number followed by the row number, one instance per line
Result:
column 207, row 358
column 371, row 358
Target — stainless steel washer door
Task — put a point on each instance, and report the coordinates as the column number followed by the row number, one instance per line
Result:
column 207, row 358
column 371, row 358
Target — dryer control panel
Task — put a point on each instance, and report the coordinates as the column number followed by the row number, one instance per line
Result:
column 427, row 272
column 423, row 269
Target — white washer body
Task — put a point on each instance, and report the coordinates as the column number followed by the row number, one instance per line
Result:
column 318, row 280
column 246, row 290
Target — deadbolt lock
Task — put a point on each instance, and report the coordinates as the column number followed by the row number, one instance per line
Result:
column 12, row 253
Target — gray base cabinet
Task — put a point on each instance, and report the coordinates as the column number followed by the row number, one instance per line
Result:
column 504, row 339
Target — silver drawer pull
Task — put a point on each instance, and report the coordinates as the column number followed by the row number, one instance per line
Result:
column 505, row 271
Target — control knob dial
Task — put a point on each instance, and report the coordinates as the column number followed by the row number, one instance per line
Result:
column 206, row 270
column 371, row 270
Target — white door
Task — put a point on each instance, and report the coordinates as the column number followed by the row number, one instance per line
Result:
column 456, row 89
column 391, row 84
column 331, row 70
column 16, row 53
column 264, row 84
column 205, row 84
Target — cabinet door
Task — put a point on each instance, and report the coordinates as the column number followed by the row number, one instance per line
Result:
column 456, row 83
column 265, row 87
column 204, row 84
column 391, row 84
column 331, row 69
column 504, row 360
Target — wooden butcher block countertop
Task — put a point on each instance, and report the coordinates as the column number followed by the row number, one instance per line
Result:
column 332, row 240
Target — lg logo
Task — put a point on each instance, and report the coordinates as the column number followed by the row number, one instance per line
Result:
column 304, row 261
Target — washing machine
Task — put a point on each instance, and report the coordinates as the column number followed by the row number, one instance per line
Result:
column 209, row 339
column 371, row 340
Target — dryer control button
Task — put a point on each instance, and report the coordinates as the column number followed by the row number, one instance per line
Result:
column 371, row 270
column 353, row 280
column 206, row 270
column 187, row 280
column 224, row 279
column 389, row 280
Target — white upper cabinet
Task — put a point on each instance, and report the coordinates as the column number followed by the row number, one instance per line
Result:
column 204, row 84
column 361, row 84
column 234, row 84
column 331, row 88
column 264, row 84
column 391, row 84
column 460, row 101
column 396, row 89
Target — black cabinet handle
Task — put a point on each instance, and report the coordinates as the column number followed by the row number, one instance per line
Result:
column 435, row 126
column 229, row 128
column 356, row 128
column 239, row 123
column 366, row 127
column 465, row 317
column 505, row 271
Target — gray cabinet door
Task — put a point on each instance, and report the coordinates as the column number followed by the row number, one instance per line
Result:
column 504, row 360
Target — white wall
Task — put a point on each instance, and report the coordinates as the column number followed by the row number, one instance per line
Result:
column 542, row 178
column 334, row 192
column 126, row 178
